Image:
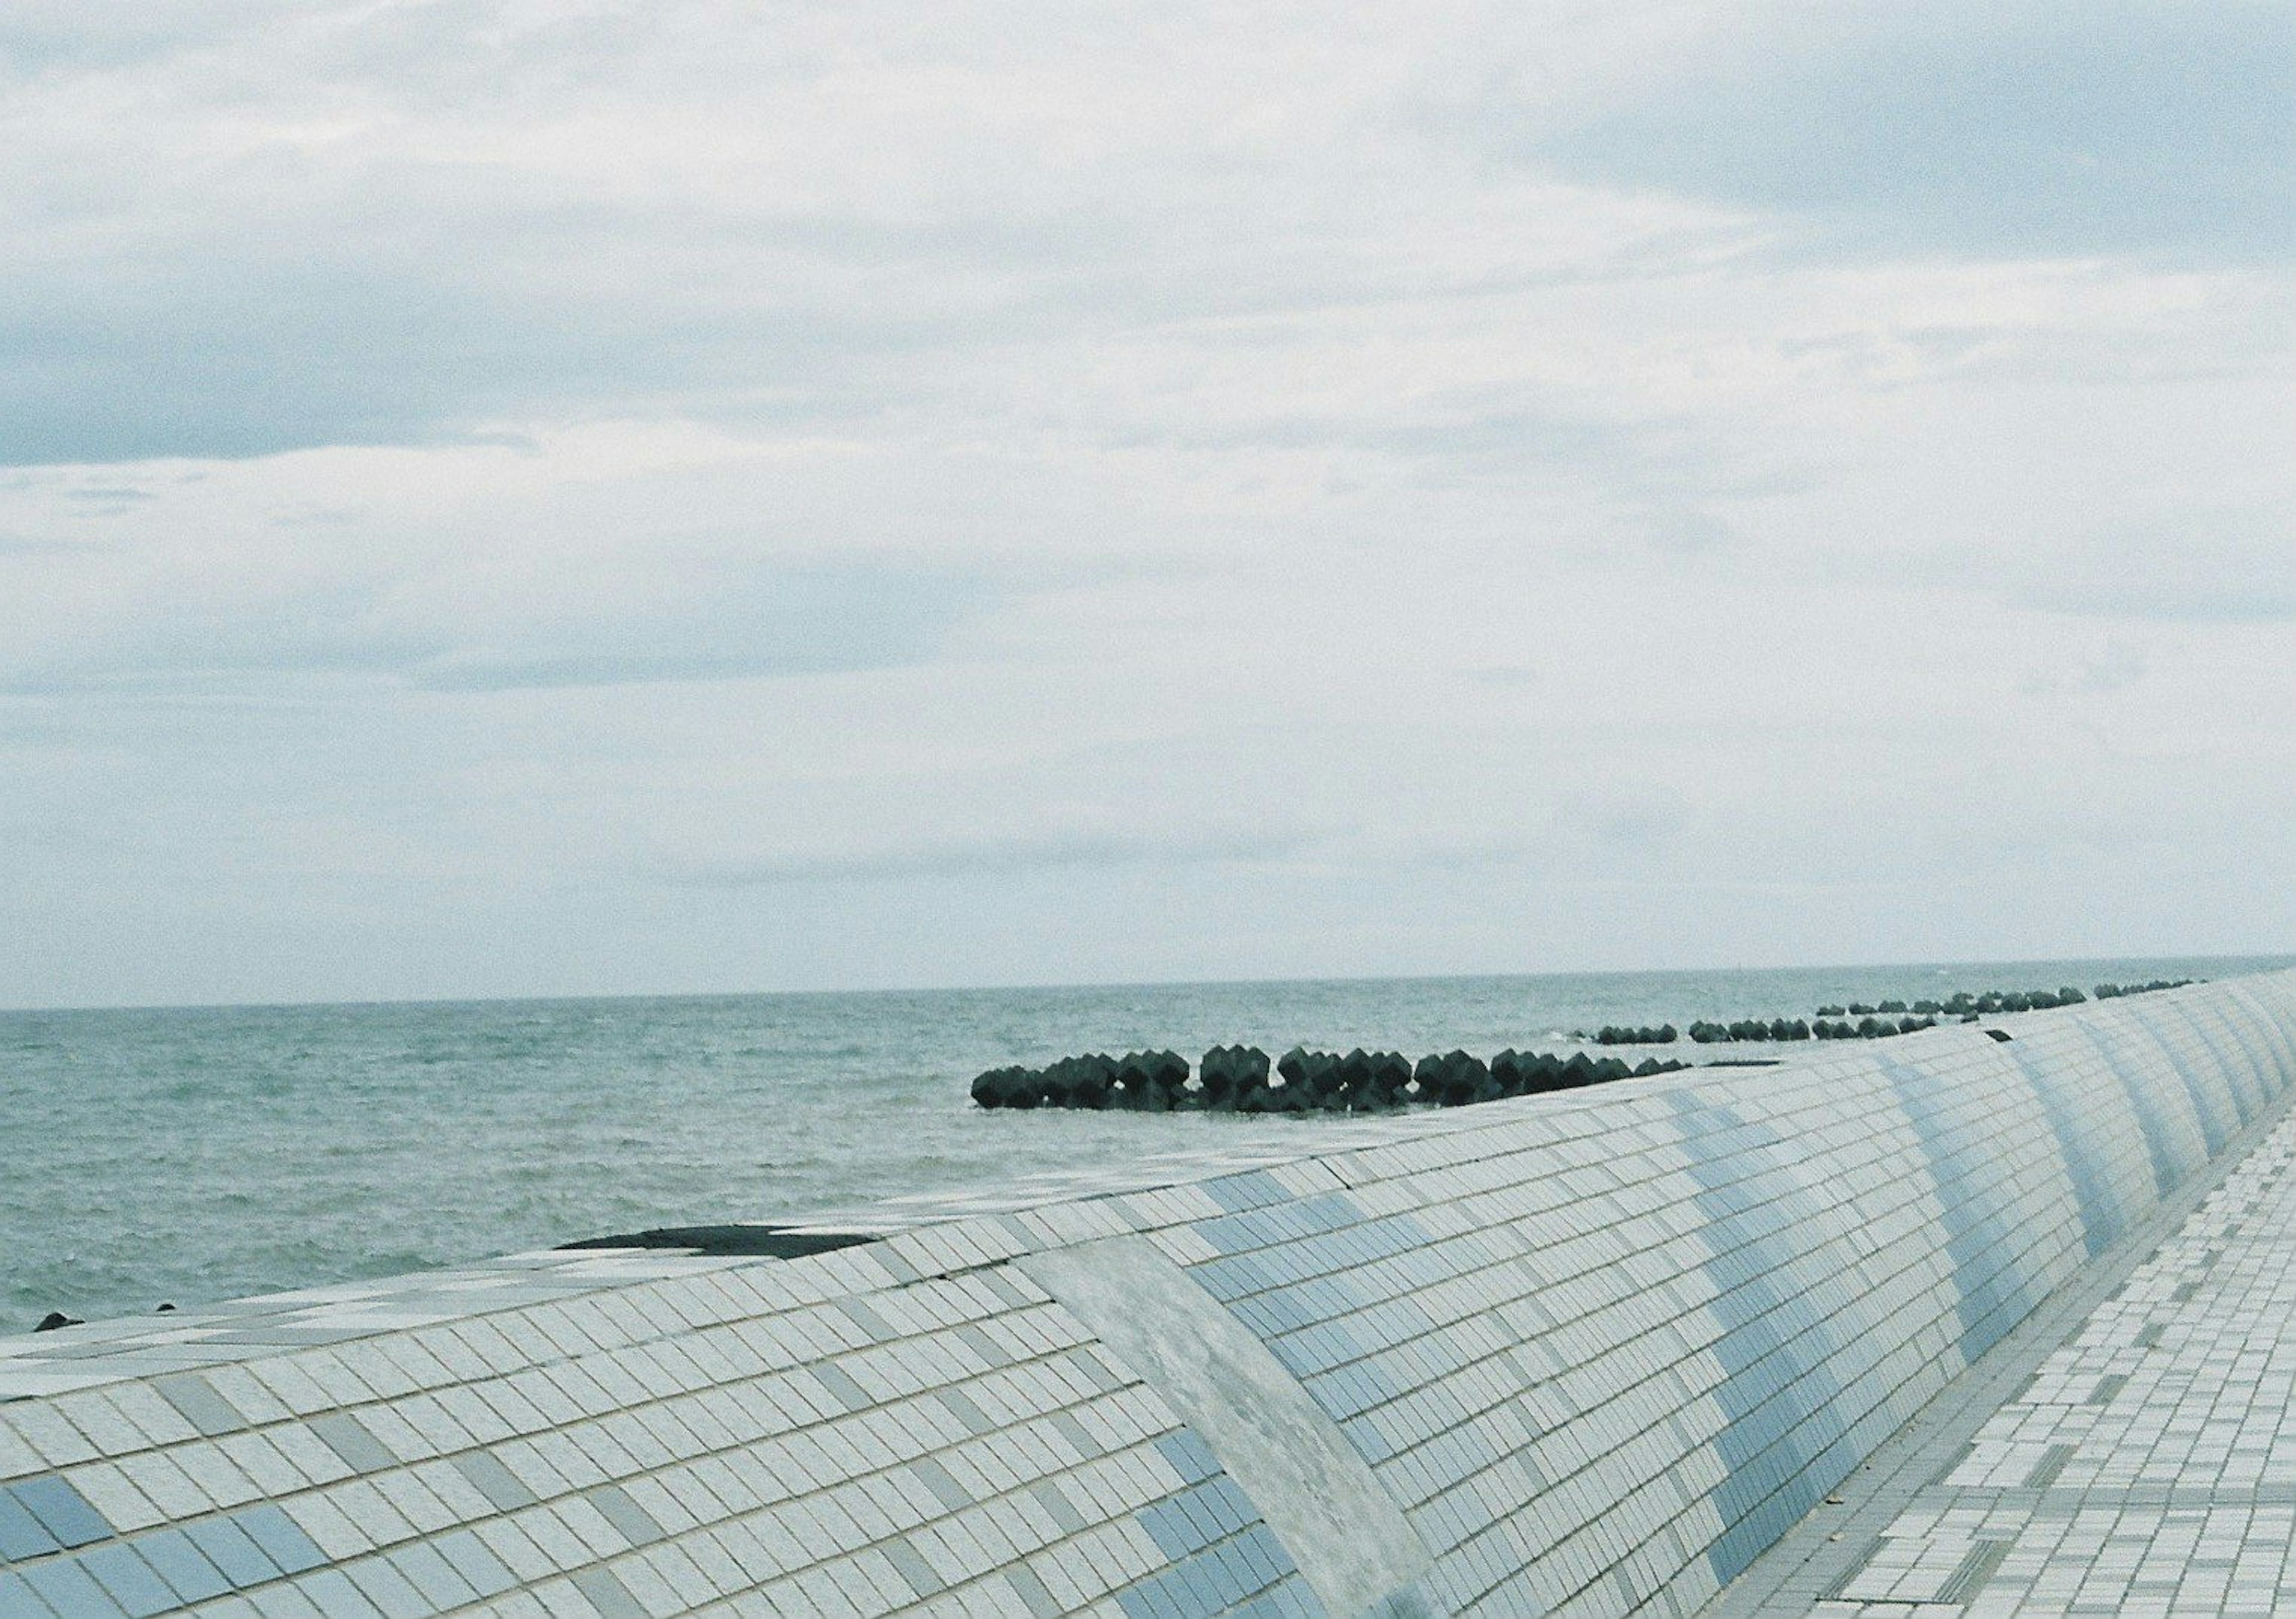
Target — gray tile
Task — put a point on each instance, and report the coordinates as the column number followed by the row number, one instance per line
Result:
column 196, row 1398
column 350, row 1439
column 913, row 1567
column 608, row 1594
column 1032, row 1591
column 635, row 1523
column 496, row 1482
column 944, row 1489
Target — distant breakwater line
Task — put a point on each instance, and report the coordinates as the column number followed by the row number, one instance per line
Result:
column 1241, row 1079
column 1875, row 1022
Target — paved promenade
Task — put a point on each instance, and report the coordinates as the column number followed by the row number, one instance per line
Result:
column 2142, row 1462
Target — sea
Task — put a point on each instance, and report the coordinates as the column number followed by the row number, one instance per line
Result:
column 187, row 1155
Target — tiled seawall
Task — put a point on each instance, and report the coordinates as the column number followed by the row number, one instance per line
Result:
column 1587, row 1353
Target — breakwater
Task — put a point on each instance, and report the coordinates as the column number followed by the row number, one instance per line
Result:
column 1585, row 1353
column 1241, row 1079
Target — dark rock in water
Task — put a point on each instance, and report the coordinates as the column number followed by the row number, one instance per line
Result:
column 1080, row 1081
column 1150, row 1082
column 1312, row 1080
column 1541, row 1072
column 1454, row 1080
column 1390, row 1079
column 164, row 1309
column 56, row 1319
column 1013, row 1087
column 1229, row 1073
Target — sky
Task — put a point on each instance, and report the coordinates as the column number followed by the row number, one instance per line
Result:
column 504, row 498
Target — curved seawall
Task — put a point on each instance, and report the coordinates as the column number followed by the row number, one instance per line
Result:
column 1585, row 1353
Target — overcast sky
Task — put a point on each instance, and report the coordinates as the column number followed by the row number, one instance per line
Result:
column 522, row 496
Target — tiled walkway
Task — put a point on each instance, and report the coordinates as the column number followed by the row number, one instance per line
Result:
column 2146, row 1465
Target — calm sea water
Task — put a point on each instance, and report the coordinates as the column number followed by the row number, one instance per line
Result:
column 193, row 1155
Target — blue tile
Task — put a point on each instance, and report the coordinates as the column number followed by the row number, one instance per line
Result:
column 227, row 1547
column 62, row 1510
column 476, row 1562
column 140, row 1592
column 183, row 1565
column 334, row 1595
column 22, row 1535
column 281, row 1539
column 66, row 1588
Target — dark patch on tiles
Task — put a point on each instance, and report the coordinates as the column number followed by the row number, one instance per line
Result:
column 763, row 1241
column 1979, row 1565
column 2046, row 1471
column 2108, row 1388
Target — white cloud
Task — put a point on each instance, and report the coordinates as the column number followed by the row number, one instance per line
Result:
column 516, row 498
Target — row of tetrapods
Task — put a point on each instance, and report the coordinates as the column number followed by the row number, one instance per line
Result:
column 1241, row 1079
